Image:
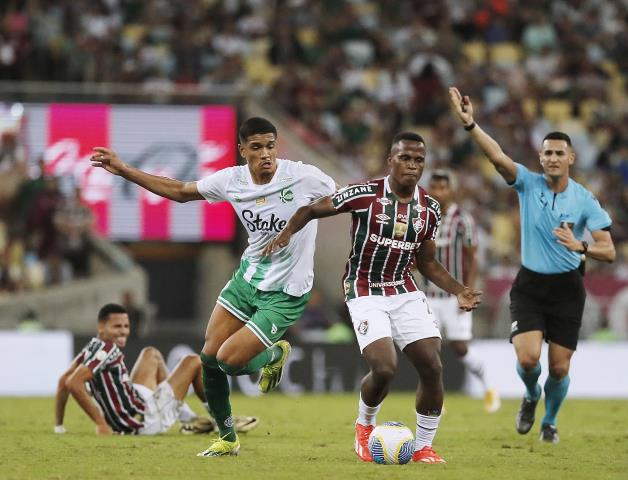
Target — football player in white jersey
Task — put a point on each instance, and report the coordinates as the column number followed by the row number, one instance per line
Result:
column 266, row 294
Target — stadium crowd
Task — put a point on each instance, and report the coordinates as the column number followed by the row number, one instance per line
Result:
column 44, row 236
column 351, row 73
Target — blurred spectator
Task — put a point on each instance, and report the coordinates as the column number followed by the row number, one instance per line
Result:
column 74, row 222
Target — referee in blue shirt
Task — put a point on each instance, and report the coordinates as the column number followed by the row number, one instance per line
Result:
column 547, row 297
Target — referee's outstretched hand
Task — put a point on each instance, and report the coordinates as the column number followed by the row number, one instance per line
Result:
column 461, row 105
column 469, row 299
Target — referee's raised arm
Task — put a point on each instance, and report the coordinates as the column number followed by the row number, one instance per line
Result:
column 464, row 109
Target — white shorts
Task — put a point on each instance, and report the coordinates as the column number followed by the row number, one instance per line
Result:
column 456, row 323
column 405, row 318
column 162, row 408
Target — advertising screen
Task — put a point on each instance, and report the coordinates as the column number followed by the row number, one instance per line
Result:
column 182, row 142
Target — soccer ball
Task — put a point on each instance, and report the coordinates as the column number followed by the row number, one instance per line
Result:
column 391, row 443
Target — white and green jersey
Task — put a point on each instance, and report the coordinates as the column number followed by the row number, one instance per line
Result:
column 264, row 211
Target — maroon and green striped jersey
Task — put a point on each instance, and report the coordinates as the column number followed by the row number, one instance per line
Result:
column 457, row 231
column 111, row 387
column 386, row 235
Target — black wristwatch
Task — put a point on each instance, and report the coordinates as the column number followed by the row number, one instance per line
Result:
column 585, row 247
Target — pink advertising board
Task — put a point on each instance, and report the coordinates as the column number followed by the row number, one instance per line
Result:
column 182, row 142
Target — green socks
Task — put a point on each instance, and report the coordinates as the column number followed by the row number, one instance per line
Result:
column 268, row 356
column 216, row 388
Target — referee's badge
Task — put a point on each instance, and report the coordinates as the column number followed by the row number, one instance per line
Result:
column 363, row 327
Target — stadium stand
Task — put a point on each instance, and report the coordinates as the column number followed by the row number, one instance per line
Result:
column 345, row 75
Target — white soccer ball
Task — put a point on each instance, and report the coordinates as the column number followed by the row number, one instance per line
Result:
column 391, row 443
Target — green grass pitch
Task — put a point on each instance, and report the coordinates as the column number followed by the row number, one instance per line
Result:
column 312, row 437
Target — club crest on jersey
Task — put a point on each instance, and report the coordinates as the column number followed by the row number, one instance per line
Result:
column 286, row 195
column 385, row 201
column 418, row 224
column 363, row 327
column 400, row 229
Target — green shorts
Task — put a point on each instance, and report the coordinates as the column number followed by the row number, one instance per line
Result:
column 267, row 314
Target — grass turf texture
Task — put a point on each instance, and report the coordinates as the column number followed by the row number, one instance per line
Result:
column 312, row 437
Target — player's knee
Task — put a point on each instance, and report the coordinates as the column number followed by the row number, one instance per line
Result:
column 151, row 353
column 191, row 361
column 384, row 372
column 559, row 371
column 528, row 362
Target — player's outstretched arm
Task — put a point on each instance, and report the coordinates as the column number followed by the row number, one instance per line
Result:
column 323, row 207
column 163, row 186
column 462, row 107
column 76, row 386
column 61, row 398
column 434, row 271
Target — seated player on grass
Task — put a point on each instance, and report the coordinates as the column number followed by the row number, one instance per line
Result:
column 146, row 402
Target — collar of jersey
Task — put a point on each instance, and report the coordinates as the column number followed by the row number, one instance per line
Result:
column 388, row 190
column 249, row 177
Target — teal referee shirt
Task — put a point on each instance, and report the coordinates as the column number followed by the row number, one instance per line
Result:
column 543, row 210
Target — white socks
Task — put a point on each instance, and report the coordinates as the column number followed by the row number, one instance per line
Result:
column 186, row 414
column 366, row 414
column 475, row 365
column 426, row 426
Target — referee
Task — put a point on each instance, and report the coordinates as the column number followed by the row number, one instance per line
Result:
column 547, row 296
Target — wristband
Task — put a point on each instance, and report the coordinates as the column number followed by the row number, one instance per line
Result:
column 59, row 429
column 470, row 127
column 585, row 247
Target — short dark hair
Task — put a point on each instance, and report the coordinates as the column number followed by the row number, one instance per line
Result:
column 413, row 137
column 254, row 126
column 110, row 308
column 558, row 136
column 441, row 174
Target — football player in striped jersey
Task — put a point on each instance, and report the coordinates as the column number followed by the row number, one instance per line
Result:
column 394, row 224
column 147, row 401
column 456, row 245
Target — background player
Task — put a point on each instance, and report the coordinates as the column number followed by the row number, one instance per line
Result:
column 394, row 223
column 267, row 294
column 547, row 297
column 456, row 245
column 148, row 401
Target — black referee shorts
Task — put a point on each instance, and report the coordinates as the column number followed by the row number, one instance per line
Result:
column 552, row 304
